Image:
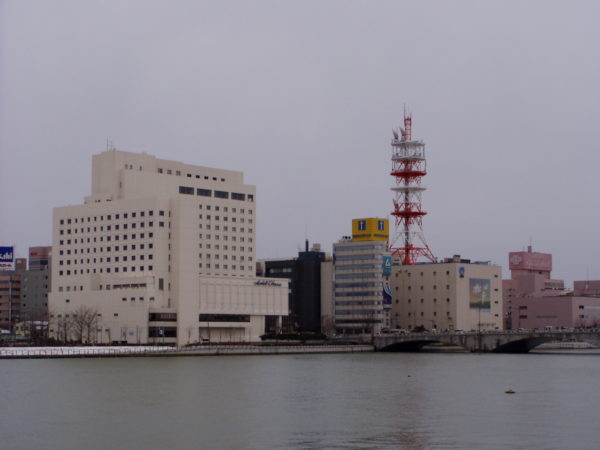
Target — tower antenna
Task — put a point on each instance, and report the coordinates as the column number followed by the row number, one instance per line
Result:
column 409, row 166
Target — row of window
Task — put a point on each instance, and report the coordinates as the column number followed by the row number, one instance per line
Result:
column 225, row 228
column 223, row 266
column 225, row 237
column 107, row 259
column 355, row 257
column 224, row 256
column 189, row 175
column 104, row 270
column 434, row 314
column 447, row 301
column 225, row 247
column 276, row 270
column 116, row 248
column 133, row 299
column 357, row 275
column 434, row 300
column 357, row 302
column 225, row 218
column 118, row 216
column 224, row 318
column 359, row 312
column 103, row 228
column 187, row 190
column 125, row 237
column 162, row 317
column 359, row 294
column 354, row 285
column 435, row 288
column 224, row 209
column 434, row 273
column 357, row 267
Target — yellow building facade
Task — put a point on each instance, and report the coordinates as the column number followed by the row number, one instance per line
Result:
column 370, row 229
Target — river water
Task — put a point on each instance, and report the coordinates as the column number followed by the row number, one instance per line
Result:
column 369, row 400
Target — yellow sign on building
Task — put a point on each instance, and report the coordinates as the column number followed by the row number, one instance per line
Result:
column 371, row 229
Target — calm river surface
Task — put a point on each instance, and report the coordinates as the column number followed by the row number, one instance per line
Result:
column 371, row 400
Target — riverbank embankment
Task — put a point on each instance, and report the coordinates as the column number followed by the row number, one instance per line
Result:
column 204, row 350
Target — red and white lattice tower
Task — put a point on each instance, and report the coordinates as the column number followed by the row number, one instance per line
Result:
column 408, row 168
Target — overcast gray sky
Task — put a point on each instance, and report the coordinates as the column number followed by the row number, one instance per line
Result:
column 302, row 96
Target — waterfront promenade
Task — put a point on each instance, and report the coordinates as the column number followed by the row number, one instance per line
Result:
column 201, row 350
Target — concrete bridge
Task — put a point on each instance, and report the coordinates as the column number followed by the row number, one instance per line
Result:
column 495, row 341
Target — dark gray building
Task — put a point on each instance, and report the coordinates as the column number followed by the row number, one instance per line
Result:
column 35, row 285
column 304, row 273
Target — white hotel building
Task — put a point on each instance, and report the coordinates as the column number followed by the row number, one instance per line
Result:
column 165, row 252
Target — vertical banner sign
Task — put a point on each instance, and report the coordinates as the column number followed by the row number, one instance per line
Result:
column 7, row 258
column 387, row 296
column 387, row 265
column 479, row 294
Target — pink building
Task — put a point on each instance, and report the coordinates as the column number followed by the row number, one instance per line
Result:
column 556, row 311
column 532, row 299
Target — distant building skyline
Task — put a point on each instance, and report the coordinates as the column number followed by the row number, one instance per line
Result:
column 303, row 100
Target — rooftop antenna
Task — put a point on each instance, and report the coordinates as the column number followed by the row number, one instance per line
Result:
column 109, row 144
column 587, row 277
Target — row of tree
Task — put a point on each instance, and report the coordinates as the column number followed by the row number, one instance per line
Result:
column 79, row 325
column 76, row 326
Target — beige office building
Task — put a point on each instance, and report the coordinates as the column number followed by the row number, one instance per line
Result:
column 165, row 252
column 453, row 295
column 361, row 269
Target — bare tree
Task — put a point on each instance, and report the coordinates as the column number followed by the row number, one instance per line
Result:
column 63, row 326
column 85, row 324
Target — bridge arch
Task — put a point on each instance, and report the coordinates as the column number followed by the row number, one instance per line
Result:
column 497, row 342
column 408, row 346
column 416, row 344
column 520, row 345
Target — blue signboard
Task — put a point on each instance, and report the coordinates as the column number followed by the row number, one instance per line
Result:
column 387, row 265
column 7, row 254
column 7, row 258
column 387, row 295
